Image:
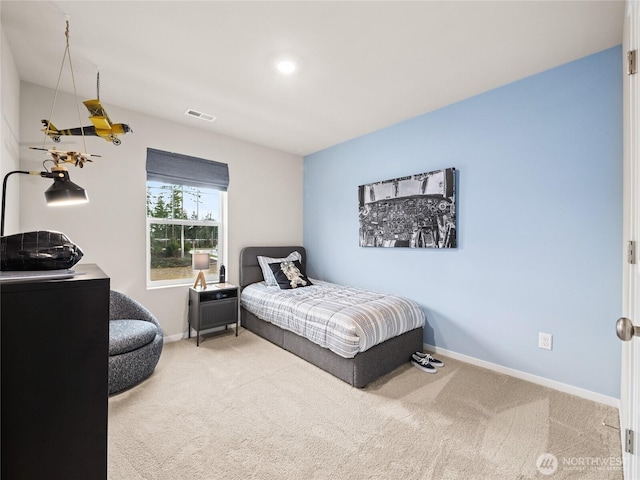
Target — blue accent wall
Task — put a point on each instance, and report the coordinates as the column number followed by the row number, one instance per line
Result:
column 539, row 204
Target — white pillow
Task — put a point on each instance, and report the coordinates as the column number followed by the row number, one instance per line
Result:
column 264, row 262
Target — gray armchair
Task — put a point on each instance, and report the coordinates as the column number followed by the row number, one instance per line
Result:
column 135, row 342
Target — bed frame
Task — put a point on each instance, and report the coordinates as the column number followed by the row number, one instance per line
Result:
column 359, row 371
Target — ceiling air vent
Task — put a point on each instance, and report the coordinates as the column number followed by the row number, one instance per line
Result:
column 202, row 116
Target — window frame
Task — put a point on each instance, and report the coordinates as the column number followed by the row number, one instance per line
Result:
column 221, row 247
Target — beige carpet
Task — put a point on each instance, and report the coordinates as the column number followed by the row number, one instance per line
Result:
column 240, row 407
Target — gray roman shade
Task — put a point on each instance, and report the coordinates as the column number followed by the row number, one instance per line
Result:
column 177, row 169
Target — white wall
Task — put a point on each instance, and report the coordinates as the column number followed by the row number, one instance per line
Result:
column 264, row 197
column 10, row 107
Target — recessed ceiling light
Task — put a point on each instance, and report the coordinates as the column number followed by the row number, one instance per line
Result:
column 286, row 67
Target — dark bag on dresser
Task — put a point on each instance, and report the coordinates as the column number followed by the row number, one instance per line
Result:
column 41, row 250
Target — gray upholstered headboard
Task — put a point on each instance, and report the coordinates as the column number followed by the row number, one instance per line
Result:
column 250, row 271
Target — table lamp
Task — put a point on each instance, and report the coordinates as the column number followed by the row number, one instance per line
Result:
column 200, row 262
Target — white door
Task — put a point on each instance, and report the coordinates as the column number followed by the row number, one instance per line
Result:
column 630, row 392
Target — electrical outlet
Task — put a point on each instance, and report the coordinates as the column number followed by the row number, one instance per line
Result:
column 545, row 340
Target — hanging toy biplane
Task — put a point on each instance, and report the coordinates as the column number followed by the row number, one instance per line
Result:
column 102, row 125
column 67, row 156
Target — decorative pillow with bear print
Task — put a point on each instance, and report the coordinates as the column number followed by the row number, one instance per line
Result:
column 267, row 274
column 289, row 274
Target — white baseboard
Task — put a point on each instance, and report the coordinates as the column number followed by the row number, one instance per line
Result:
column 174, row 338
column 181, row 336
column 545, row 382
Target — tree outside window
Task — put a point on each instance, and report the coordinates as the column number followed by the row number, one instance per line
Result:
column 181, row 220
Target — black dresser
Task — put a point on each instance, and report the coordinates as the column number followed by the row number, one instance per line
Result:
column 54, row 377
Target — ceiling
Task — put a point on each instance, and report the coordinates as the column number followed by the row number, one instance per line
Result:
column 362, row 65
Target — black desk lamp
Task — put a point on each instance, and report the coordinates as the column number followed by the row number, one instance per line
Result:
column 62, row 192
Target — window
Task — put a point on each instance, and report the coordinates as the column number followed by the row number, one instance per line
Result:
column 185, row 200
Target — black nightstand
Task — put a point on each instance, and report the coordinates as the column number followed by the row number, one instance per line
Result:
column 215, row 306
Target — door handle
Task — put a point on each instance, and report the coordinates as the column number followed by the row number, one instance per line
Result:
column 625, row 329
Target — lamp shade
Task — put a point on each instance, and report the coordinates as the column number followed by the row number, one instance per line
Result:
column 64, row 191
column 200, row 261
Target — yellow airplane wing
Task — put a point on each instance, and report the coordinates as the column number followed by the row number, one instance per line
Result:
column 98, row 115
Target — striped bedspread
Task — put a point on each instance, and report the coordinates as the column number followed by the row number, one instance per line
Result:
column 345, row 320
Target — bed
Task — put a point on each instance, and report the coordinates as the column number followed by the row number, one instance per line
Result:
column 360, row 370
